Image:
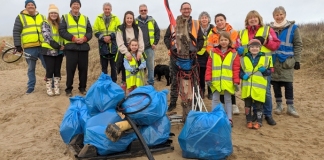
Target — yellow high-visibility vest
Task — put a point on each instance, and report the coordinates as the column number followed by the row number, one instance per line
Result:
column 76, row 29
column 256, row 86
column 222, row 73
column 31, row 35
column 137, row 79
column 203, row 50
column 150, row 26
column 55, row 35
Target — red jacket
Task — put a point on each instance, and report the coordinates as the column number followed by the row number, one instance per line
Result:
column 236, row 65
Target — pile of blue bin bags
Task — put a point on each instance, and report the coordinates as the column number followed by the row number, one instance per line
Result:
column 90, row 115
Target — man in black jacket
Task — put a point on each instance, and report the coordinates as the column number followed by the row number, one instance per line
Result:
column 185, row 10
column 76, row 30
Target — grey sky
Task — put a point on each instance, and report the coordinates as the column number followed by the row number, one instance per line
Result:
column 302, row 11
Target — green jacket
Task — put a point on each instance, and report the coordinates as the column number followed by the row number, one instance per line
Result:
column 285, row 71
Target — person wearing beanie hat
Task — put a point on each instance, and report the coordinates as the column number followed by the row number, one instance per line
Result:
column 254, row 42
column 29, row 42
column 75, row 1
column 29, row 1
column 53, row 9
column 77, row 32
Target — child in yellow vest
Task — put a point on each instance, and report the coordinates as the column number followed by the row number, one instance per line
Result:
column 254, row 71
column 222, row 72
column 134, row 69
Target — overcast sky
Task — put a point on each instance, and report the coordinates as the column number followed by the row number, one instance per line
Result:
column 302, row 11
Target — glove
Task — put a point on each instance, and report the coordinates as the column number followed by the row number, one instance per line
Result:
column 245, row 77
column 262, row 69
column 208, row 83
column 236, row 87
column 135, row 71
column 240, row 50
column 19, row 49
column 297, row 66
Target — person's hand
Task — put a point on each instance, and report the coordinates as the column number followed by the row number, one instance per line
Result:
column 62, row 47
column 297, row 66
column 19, row 49
column 240, row 50
column 79, row 40
column 245, row 77
column 128, row 56
column 153, row 46
column 236, row 86
column 135, row 71
column 208, row 83
column 262, row 69
column 139, row 56
column 107, row 39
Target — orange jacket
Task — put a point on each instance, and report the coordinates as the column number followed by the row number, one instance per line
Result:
column 214, row 37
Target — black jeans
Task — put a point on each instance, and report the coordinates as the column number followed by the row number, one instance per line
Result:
column 104, row 61
column 53, row 65
column 202, row 71
column 74, row 59
column 289, row 91
column 174, row 83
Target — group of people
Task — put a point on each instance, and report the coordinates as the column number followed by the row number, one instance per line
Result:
column 255, row 57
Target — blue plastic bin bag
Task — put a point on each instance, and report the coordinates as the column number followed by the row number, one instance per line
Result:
column 95, row 133
column 103, row 94
column 74, row 119
column 157, row 133
column 156, row 109
column 206, row 135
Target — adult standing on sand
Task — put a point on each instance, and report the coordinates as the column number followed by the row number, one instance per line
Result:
column 76, row 30
column 27, row 38
column 286, row 59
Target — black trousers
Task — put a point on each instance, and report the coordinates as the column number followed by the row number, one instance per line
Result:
column 76, row 59
column 289, row 91
column 53, row 65
column 105, row 61
column 202, row 71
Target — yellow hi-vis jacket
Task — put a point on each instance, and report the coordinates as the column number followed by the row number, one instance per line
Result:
column 150, row 26
column 55, row 35
column 256, row 86
column 79, row 29
column 222, row 73
column 31, row 35
column 263, row 31
column 105, row 30
column 137, row 79
column 203, row 50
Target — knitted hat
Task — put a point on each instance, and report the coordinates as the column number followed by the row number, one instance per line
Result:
column 254, row 42
column 72, row 1
column 29, row 1
column 53, row 8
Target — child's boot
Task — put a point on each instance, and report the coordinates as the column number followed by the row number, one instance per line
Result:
column 57, row 85
column 258, row 124
column 236, row 110
column 279, row 108
column 49, row 90
column 291, row 111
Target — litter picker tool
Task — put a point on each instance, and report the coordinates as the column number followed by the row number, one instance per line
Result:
column 10, row 54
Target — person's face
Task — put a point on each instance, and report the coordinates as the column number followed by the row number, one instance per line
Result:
column 279, row 16
column 107, row 10
column 129, row 20
column 186, row 10
column 253, row 21
column 223, row 42
column 30, row 7
column 254, row 49
column 133, row 46
column 53, row 16
column 75, row 7
column 204, row 20
column 220, row 22
column 143, row 11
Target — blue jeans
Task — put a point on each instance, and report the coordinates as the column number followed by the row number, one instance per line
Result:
column 150, row 65
column 267, row 108
column 35, row 52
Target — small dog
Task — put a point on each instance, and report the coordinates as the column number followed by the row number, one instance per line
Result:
column 161, row 70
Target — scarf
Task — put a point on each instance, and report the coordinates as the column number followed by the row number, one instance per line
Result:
column 280, row 25
column 204, row 30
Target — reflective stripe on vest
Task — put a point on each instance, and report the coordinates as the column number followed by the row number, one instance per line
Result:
column 100, row 25
column 76, row 29
column 150, row 27
column 31, row 32
column 256, row 86
column 55, row 36
column 134, row 80
column 222, row 73
column 203, row 50
column 286, row 38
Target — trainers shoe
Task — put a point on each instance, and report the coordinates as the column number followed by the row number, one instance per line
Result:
column 291, row 111
column 68, row 93
column 231, row 122
column 279, row 108
column 236, row 110
column 30, row 90
column 83, row 92
column 270, row 120
column 249, row 125
column 257, row 125
column 172, row 106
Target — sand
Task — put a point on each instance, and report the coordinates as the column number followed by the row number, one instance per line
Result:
column 30, row 123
